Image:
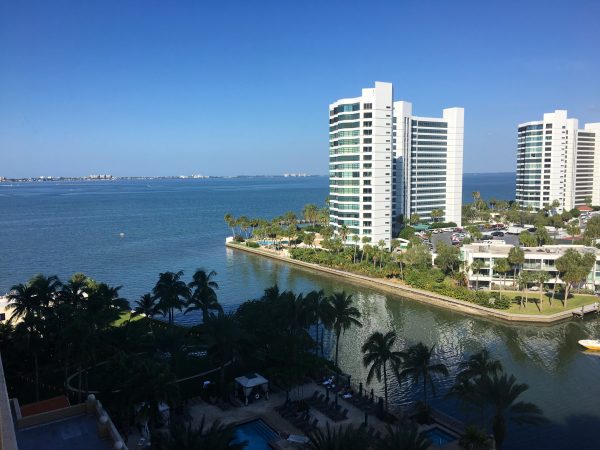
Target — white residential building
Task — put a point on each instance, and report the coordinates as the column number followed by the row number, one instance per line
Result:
column 385, row 162
column 557, row 161
column 536, row 259
column 429, row 163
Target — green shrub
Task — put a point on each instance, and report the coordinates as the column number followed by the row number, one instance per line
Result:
column 238, row 238
column 252, row 244
column 435, row 225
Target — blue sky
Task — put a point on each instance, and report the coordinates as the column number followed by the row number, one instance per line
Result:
column 242, row 87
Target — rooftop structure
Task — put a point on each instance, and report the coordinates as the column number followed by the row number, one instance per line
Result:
column 54, row 424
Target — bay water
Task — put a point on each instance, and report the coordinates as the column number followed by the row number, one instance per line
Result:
column 127, row 232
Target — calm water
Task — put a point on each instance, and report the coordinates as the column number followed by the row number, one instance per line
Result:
column 178, row 224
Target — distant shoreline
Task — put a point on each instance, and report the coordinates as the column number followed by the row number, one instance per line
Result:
column 416, row 294
column 46, row 179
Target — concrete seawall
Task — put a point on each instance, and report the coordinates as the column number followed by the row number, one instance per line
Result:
column 412, row 293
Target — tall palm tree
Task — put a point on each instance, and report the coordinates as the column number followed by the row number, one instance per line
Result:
column 146, row 306
column 541, row 277
column 187, row 437
column 476, row 266
column 378, row 352
column 204, row 297
column 341, row 438
column 418, row 365
column 223, row 335
column 479, row 364
column 74, row 291
column 516, row 258
column 343, row 315
column 171, row 293
column 317, row 303
column 500, row 394
column 502, row 266
column 30, row 331
column 403, row 438
column 355, row 240
column 23, row 301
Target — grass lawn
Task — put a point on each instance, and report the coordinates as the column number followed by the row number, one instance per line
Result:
column 533, row 298
column 125, row 316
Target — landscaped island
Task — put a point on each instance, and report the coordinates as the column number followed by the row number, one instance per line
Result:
column 409, row 265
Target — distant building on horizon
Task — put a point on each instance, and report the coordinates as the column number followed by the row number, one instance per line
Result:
column 385, row 163
column 557, row 161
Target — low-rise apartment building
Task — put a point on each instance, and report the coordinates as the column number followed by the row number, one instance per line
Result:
column 536, row 258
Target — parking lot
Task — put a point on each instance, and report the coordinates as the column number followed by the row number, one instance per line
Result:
column 446, row 237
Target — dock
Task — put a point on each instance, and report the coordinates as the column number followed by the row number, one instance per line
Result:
column 584, row 310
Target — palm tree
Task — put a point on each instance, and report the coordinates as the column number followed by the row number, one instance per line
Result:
column 223, row 334
column 355, row 240
column 343, row 315
column 147, row 307
column 476, row 266
column 186, row 437
column 500, row 394
column 404, row 438
column 344, row 233
column 479, row 365
column 541, row 277
column 204, row 297
column 341, row 438
column 417, row 365
column 23, row 301
column 171, row 293
column 378, row 352
column 474, row 439
column 30, row 331
column 365, row 240
column 522, row 284
column 516, row 258
column 318, row 306
column 501, row 266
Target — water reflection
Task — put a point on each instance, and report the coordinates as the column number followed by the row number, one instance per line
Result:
column 563, row 379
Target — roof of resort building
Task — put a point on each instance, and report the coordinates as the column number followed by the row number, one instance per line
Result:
column 503, row 249
column 45, row 405
column 73, row 433
column 584, row 208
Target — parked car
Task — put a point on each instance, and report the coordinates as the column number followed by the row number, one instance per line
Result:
column 498, row 233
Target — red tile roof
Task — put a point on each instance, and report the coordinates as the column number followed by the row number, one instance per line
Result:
column 45, row 405
column 584, row 208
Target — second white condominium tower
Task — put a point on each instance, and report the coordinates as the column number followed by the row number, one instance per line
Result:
column 558, row 161
column 385, row 163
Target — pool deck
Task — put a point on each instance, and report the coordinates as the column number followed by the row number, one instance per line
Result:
column 396, row 288
column 265, row 410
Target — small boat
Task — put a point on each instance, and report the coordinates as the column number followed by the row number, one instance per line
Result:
column 591, row 344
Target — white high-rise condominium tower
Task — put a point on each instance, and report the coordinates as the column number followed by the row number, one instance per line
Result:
column 558, row 161
column 384, row 163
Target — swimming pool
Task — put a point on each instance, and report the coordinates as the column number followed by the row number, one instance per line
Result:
column 257, row 433
column 439, row 436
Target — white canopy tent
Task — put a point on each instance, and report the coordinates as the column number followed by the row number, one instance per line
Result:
column 251, row 381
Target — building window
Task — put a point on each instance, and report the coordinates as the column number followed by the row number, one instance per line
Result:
column 367, row 215
column 368, row 106
column 367, row 124
column 367, row 199
column 367, row 140
column 367, row 223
